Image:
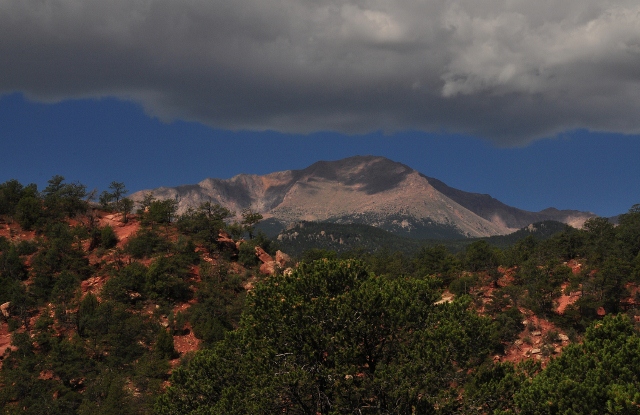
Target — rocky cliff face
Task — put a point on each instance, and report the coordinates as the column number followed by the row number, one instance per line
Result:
column 365, row 189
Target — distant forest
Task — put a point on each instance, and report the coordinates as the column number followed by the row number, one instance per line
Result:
column 342, row 238
column 107, row 310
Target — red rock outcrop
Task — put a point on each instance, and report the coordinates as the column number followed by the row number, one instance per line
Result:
column 262, row 255
column 226, row 243
column 268, row 265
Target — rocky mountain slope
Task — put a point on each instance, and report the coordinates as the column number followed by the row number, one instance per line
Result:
column 369, row 190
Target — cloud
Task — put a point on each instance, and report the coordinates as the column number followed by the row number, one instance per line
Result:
column 507, row 70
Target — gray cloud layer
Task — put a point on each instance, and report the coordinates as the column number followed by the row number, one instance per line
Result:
column 510, row 70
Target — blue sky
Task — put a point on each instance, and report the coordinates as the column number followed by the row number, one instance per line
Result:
column 98, row 141
column 533, row 103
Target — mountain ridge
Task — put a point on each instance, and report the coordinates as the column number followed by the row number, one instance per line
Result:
column 371, row 190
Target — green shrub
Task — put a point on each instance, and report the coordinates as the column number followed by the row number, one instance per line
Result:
column 165, row 281
column 463, row 284
column 164, row 347
column 247, row 254
column 108, row 237
column 126, row 285
column 509, row 324
column 146, row 243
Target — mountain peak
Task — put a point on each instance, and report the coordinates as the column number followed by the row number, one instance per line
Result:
column 373, row 174
column 368, row 189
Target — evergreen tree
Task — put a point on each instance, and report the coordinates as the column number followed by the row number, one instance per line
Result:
column 250, row 219
column 331, row 338
column 599, row 376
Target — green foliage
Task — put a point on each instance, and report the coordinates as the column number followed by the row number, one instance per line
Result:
column 247, row 250
column 247, row 254
column 26, row 247
column 144, row 204
column 185, row 250
column 331, row 338
column 209, row 384
column 60, row 253
column 114, row 334
column 569, row 244
column 78, row 374
column 11, row 265
column 64, row 199
column 164, row 347
column 107, row 395
column 65, row 287
column 127, row 284
column 166, row 280
column 542, row 283
column 599, row 376
column 509, row 324
column 436, row 260
column 520, row 251
column 11, row 192
column 145, row 243
column 628, row 232
column 491, row 388
column 336, row 336
column 149, row 376
column 160, row 212
column 464, row 284
column 29, row 212
column 600, row 239
column 387, row 263
column 69, row 362
column 220, row 302
column 249, row 221
column 343, row 238
column 87, row 315
column 115, row 200
column 108, row 237
column 480, row 256
column 315, row 254
column 15, row 293
column 204, row 223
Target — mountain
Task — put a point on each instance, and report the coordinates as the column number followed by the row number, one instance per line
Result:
column 367, row 190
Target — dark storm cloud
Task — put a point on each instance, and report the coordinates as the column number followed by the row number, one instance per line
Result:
column 508, row 70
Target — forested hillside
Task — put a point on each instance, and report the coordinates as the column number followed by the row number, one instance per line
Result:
column 99, row 304
column 345, row 238
column 107, row 311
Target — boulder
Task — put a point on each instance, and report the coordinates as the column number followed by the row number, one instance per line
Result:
column 262, row 255
column 282, row 259
column 4, row 309
column 226, row 243
column 269, row 268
